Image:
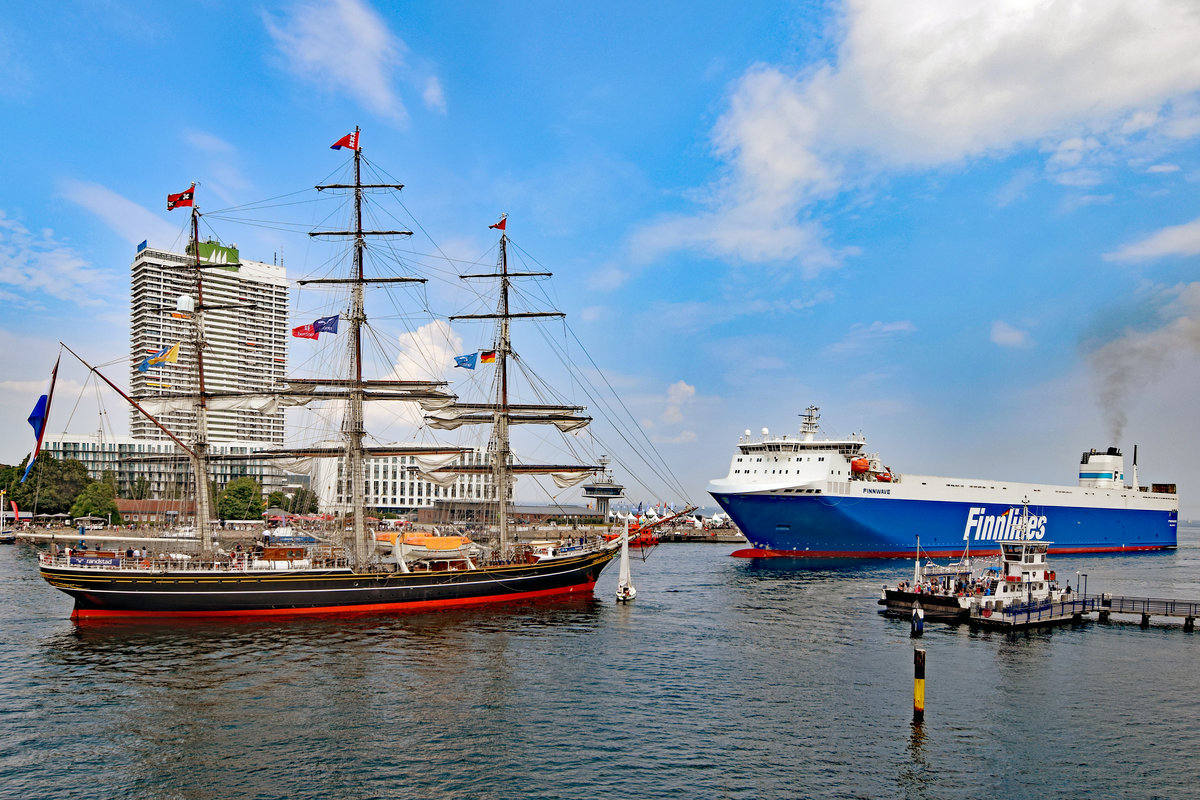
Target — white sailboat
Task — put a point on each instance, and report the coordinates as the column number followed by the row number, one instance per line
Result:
column 625, row 588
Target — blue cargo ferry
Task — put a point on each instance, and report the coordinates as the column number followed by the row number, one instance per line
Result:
column 803, row 496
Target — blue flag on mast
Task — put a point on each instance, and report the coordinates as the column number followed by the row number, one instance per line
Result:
column 467, row 361
column 40, row 416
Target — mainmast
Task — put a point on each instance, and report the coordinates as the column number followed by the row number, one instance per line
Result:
column 356, row 388
column 353, row 425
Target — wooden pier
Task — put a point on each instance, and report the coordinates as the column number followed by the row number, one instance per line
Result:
column 1073, row 611
column 1147, row 607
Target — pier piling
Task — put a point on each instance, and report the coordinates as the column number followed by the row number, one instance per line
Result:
column 918, row 686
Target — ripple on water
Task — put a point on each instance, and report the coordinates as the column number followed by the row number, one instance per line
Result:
column 725, row 678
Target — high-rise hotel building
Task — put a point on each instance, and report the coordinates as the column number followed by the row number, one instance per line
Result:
column 245, row 324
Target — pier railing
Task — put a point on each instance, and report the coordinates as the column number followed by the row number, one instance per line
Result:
column 1033, row 614
column 1148, row 606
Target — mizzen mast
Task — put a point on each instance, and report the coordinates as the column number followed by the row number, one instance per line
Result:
column 503, row 412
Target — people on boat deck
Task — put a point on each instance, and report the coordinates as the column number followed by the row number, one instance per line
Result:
column 946, row 586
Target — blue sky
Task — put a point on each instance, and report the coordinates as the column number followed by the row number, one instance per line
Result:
column 969, row 231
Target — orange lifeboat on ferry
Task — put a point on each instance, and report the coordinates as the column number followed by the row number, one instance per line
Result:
column 886, row 477
column 859, row 465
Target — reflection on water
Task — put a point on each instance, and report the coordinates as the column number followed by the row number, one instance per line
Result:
column 725, row 678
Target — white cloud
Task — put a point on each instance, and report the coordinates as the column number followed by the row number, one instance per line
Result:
column 428, row 352
column 693, row 316
column 1163, row 168
column 930, row 84
column 208, row 143
column 678, row 395
column 1072, row 152
column 1016, row 188
column 1006, row 335
column 127, row 219
column 345, row 46
column 16, row 79
column 1073, row 203
column 606, row 279
column 683, row 437
column 434, row 97
column 225, row 179
column 1079, row 178
column 862, row 337
column 1177, row 240
column 38, row 264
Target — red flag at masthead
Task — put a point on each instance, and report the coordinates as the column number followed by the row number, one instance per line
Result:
column 183, row 198
column 500, row 225
column 350, row 140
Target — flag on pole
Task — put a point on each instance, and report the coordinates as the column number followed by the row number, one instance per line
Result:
column 326, row 324
column 467, row 361
column 183, row 198
column 487, row 357
column 308, row 331
column 500, row 225
column 350, row 140
column 164, row 356
column 39, row 417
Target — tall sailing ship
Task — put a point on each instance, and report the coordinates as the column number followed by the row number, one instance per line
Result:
column 353, row 576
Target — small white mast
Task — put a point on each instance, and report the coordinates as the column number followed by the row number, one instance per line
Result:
column 808, row 424
column 625, row 590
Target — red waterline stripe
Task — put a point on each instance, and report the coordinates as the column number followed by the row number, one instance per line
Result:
column 366, row 608
column 752, row 552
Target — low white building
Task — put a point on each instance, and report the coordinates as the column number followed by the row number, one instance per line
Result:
column 168, row 479
column 396, row 484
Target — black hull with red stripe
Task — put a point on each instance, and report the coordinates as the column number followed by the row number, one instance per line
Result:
column 121, row 592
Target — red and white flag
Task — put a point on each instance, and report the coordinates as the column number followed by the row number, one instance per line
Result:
column 350, row 140
column 308, row 331
column 500, row 225
column 184, row 198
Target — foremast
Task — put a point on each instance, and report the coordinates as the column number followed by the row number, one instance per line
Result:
column 198, row 455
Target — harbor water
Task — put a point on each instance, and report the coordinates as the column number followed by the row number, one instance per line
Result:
column 726, row 678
